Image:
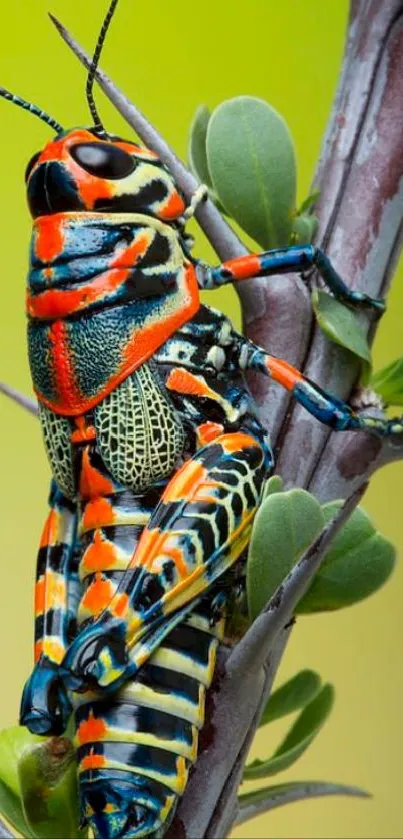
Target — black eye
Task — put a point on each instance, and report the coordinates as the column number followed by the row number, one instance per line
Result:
column 103, row 160
column 31, row 165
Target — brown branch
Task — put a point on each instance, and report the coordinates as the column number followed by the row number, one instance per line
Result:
column 361, row 210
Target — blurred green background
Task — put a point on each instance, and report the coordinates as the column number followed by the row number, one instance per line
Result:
column 170, row 57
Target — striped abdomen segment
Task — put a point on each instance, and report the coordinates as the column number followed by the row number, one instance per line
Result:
column 135, row 749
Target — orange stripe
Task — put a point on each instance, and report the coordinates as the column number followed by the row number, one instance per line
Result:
column 187, row 479
column 84, row 433
column 91, row 730
column 98, row 595
column 237, row 441
column 283, row 373
column 97, row 513
column 51, row 529
column 182, row 381
column 142, row 345
column 176, row 554
column 148, row 543
column 39, row 597
column 101, row 555
column 49, row 238
column 173, row 208
column 62, row 366
column 38, row 650
column 92, row 761
column 208, row 431
column 92, row 483
column 243, row 267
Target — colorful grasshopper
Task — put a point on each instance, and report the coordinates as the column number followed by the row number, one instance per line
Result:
column 158, row 462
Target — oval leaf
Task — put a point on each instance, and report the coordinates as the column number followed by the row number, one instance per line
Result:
column 251, row 160
column 274, row 484
column 285, row 525
column 197, row 145
column 358, row 564
column 388, row 382
column 341, row 325
column 300, row 736
column 291, row 696
column 48, row 782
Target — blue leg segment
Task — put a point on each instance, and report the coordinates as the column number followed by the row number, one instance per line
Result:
column 298, row 258
column 326, row 408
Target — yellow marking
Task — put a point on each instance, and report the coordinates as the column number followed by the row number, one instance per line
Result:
column 121, row 517
column 53, row 648
column 173, row 704
column 113, row 734
column 182, row 663
column 110, row 672
column 165, row 810
column 203, row 624
column 182, row 774
column 175, row 782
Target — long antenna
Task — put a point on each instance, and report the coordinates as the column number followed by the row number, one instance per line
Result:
column 93, row 69
column 33, row 109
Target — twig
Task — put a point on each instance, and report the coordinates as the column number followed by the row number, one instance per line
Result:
column 28, row 404
column 254, row 647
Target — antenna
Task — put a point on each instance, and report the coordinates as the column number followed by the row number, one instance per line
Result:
column 33, row 109
column 93, row 69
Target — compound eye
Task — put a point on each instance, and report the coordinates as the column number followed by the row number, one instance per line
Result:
column 31, row 164
column 104, row 160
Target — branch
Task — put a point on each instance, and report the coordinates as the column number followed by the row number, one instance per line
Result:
column 254, row 648
column 255, row 804
column 361, row 211
column 25, row 402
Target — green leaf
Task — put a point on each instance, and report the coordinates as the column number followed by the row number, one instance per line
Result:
column 260, row 801
column 291, row 696
column 197, row 151
column 285, row 525
column 388, row 382
column 358, row 564
column 197, row 145
column 251, row 160
column 341, row 325
column 272, row 485
column 300, row 736
column 14, row 741
column 308, row 203
column 48, row 782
